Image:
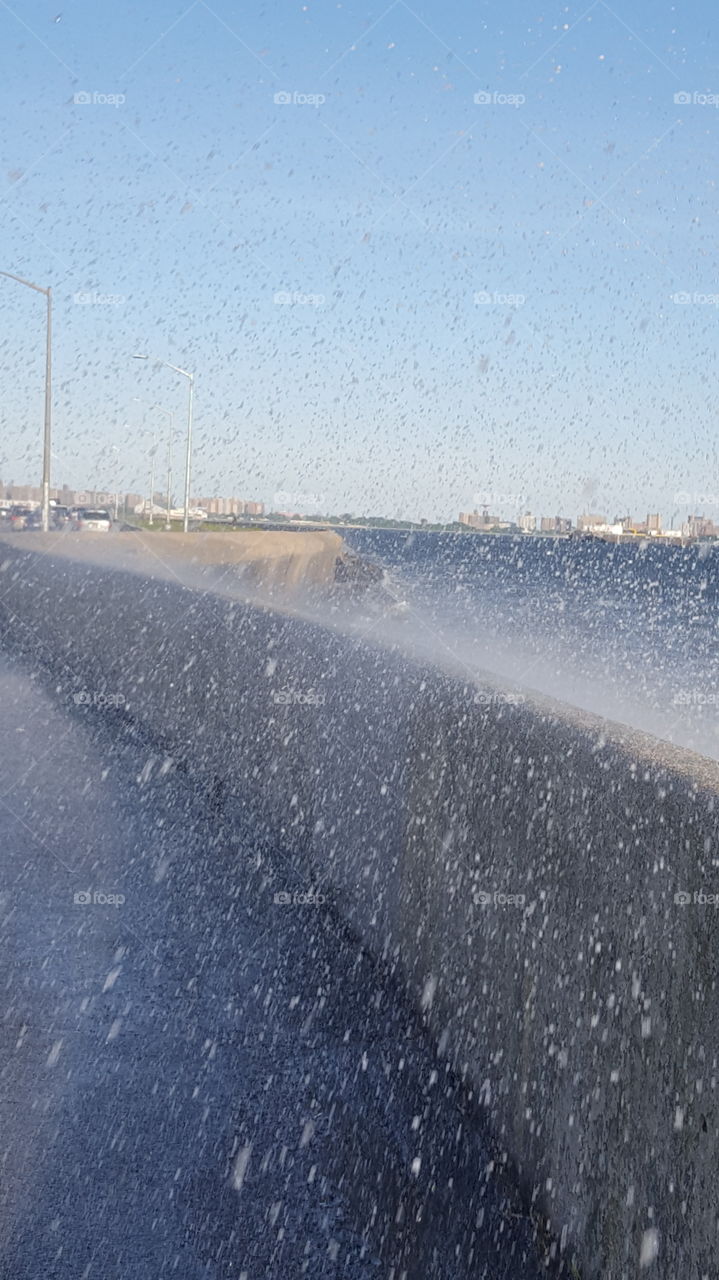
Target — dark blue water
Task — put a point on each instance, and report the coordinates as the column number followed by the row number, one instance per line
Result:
column 626, row 630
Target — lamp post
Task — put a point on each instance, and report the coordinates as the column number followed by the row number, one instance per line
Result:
column 188, row 448
column 168, row 523
column 47, row 433
column 168, row 414
column 152, row 479
column 116, row 450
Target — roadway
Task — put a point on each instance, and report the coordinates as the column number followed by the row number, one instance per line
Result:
column 197, row 1081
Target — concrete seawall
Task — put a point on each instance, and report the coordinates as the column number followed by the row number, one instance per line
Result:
column 274, row 560
column 518, row 861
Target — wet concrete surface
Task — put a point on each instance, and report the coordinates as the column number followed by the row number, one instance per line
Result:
column 199, row 1080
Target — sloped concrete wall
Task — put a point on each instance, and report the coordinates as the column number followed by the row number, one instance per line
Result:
column 519, row 861
column 271, row 559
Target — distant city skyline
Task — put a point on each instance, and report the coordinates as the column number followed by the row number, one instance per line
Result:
column 64, row 495
column 696, row 523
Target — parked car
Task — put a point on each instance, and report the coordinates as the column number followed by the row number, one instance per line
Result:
column 19, row 517
column 92, row 521
column 59, row 517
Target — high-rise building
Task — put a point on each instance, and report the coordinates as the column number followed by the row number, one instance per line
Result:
column 555, row 524
column 586, row 523
column 229, row 506
column 699, row 527
column 474, row 520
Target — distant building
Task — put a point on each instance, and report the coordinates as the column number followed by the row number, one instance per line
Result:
column 590, row 523
column 475, row 520
column 472, row 519
column 194, row 513
column 652, row 526
column 68, row 497
column 136, row 502
column 23, row 493
column 555, row 524
column 527, row 522
column 229, row 506
column 699, row 527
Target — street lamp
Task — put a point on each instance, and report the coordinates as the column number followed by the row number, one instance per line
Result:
column 188, row 450
column 47, row 434
column 116, row 450
column 169, row 414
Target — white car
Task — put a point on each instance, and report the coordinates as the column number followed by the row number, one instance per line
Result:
column 89, row 521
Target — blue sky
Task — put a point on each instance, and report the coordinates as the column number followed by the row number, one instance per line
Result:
column 399, row 215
